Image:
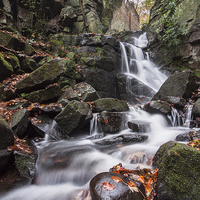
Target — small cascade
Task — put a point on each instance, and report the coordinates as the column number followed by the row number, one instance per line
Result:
column 188, row 118
column 94, row 125
column 135, row 64
column 175, row 118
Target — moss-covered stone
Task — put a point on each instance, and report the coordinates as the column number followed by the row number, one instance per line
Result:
column 14, row 61
column 110, row 104
column 6, row 68
column 74, row 116
column 180, row 84
column 41, row 77
column 178, row 175
column 48, row 95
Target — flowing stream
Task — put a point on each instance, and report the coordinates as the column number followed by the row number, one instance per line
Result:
column 65, row 167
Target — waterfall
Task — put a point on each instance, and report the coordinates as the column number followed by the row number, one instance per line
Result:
column 65, row 167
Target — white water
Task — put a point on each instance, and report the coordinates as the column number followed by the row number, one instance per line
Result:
column 66, row 167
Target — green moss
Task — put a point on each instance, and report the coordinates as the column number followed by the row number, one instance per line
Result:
column 178, row 168
column 5, row 63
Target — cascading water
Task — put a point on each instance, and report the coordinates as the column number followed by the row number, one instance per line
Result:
column 65, row 167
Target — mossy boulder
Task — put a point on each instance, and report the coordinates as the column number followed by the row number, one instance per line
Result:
column 47, row 74
column 179, row 84
column 74, row 116
column 13, row 42
column 6, row 135
column 48, row 95
column 6, row 68
column 110, row 104
column 19, row 122
column 178, row 175
column 160, row 107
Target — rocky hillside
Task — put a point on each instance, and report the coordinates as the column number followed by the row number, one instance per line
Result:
column 174, row 34
column 38, row 18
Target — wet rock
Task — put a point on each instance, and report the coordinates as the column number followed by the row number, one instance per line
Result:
column 178, row 177
column 41, row 77
column 139, row 126
column 19, row 122
column 196, row 109
column 5, row 156
column 43, row 124
column 112, row 122
column 48, row 95
column 178, row 102
column 86, row 92
column 51, row 110
column 120, row 190
column 137, row 92
column 74, row 116
column 123, row 139
column 6, row 135
column 183, row 137
column 160, row 107
column 110, row 105
column 180, row 84
column 25, row 164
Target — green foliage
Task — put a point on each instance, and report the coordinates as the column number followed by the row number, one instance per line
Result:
column 171, row 30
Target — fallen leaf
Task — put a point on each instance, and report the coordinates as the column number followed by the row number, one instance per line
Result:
column 108, row 186
column 106, row 121
column 116, row 179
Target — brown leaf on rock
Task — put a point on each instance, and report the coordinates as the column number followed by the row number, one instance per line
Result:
column 116, row 179
column 108, row 186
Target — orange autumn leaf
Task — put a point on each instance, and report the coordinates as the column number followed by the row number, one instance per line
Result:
column 106, row 121
column 116, row 179
column 141, row 179
column 108, row 186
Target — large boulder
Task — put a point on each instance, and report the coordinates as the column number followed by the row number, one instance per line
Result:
column 44, row 75
column 19, row 122
column 110, row 104
column 180, row 84
column 104, row 186
column 178, row 175
column 6, row 135
column 74, row 116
